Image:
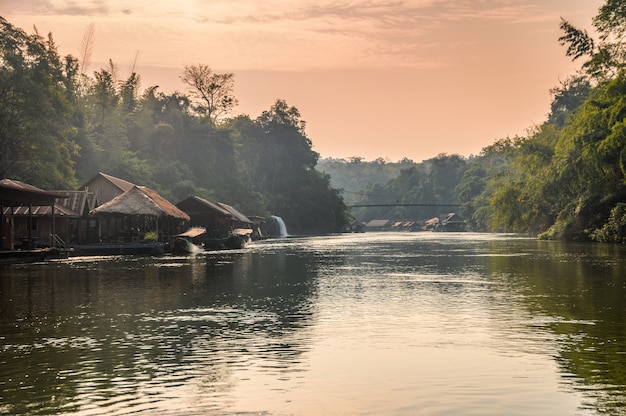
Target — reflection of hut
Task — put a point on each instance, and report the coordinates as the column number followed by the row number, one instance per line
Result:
column 27, row 214
column 219, row 219
column 129, row 216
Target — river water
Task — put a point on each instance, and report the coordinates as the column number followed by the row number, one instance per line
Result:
column 362, row 324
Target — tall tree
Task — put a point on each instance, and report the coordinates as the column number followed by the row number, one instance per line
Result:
column 286, row 173
column 213, row 92
column 606, row 57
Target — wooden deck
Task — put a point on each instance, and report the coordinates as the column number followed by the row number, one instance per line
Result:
column 30, row 256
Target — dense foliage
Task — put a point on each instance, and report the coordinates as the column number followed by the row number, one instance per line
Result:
column 59, row 127
column 354, row 175
column 566, row 179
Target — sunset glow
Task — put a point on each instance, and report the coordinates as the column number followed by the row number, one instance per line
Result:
column 377, row 78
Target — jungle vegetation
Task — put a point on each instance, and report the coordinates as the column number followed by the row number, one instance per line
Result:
column 565, row 179
column 59, row 126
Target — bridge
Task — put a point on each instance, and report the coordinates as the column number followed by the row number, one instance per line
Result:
column 402, row 205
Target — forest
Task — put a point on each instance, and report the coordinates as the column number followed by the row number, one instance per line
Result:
column 565, row 179
column 59, row 126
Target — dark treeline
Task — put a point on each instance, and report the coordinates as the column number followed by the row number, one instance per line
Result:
column 565, row 180
column 59, row 126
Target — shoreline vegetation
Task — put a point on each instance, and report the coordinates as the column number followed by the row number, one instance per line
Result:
column 566, row 179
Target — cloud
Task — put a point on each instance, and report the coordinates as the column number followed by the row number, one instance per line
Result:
column 59, row 7
column 289, row 34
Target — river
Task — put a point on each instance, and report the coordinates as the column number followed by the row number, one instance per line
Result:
column 360, row 324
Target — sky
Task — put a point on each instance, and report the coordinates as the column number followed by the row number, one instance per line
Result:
column 387, row 79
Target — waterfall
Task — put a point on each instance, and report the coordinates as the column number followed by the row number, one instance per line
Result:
column 280, row 229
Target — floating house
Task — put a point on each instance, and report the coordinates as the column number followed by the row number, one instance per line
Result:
column 138, row 214
column 28, row 215
column 432, row 224
column 452, row 222
column 218, row 218
column 20, row 234
column 378, row 225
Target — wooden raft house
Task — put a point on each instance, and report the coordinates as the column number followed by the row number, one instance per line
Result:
column 20, row 208
column 137, row 216
column 219, row 219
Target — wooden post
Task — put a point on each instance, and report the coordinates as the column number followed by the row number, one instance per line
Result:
column 52, row 236
column 30, row 224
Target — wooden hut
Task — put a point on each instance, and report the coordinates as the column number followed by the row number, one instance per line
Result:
column 129, row 216
column 378, row 225
column 106, row 187
column 219, row 219
column 71, row 213
column 21, row 207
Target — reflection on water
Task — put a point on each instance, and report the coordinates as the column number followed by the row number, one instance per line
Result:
column 423, row 323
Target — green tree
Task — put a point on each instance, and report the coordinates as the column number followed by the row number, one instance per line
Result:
column 590, row 160
column 604, row 58
column 286, row 174
column 36, row 128
column 567, row 98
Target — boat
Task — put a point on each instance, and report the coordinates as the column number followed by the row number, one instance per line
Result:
column 183, row 243
column 239, row 238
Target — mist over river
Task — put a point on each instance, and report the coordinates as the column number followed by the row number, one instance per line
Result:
column 358, row 324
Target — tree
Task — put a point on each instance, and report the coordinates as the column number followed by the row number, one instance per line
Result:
column 36, row 128
column 605, row 58
column 213, row 92
column 567, row 98
column 285, row 172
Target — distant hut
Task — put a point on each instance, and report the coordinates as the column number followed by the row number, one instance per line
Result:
column 378, row 225
column 129, row 216
column 452, row 222
column 432, row 224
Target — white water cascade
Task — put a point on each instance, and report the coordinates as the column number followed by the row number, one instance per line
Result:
column 281, row 228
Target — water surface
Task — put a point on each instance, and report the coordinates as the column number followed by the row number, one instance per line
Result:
column 377, row 323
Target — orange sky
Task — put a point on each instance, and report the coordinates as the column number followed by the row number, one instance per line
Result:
column 372, row 78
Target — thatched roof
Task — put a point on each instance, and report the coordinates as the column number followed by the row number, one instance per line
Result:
column 140, row 200
column 236, row 214
column 194, row 205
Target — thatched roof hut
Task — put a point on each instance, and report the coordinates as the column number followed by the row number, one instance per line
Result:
column 140, row 200
column 219, row 219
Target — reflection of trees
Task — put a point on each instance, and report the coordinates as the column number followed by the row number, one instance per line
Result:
column 583, row 287
column 110, row 332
